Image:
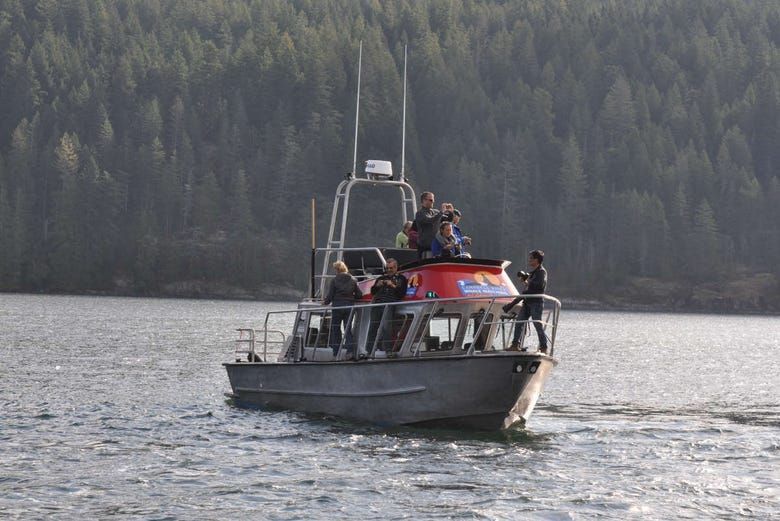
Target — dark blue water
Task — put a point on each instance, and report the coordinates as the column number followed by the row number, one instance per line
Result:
column 114, row 408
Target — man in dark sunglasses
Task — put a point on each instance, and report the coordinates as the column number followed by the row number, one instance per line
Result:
column 426, row 221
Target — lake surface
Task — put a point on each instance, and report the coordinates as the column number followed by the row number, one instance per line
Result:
column 115, row 408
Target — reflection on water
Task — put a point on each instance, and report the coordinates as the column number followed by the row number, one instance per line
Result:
column 114, row 407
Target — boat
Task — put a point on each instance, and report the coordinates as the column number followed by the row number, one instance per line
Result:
column 448, row 362
column 445, row 360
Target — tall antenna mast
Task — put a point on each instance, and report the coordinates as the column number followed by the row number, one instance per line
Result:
column 357, row 108
column 403, row 125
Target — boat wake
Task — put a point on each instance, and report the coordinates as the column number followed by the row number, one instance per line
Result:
column 759, row 415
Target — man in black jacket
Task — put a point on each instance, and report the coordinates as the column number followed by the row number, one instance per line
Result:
column 535, row 284
column 426, row 222
column 390, row 287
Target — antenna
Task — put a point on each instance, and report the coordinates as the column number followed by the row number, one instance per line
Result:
column 403, row 125
column 357, row 108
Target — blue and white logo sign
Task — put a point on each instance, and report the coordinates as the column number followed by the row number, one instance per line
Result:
column 472, row 288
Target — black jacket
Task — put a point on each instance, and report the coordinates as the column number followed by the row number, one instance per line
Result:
column 384, row 293
column 343, row 291
column 537, row 282
column 427, row 223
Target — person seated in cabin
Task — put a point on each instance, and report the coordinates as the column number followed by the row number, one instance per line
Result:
column 343, row 291
column 402, row 239
column 426, row 222
column 464, row 239
column 445, row 244
column 390, row 287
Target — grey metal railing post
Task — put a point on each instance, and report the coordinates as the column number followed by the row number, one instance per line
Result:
column 478, row 332
column 427, row 324
column 380, row 330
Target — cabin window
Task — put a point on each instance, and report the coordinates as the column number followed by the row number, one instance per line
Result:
column 401, row 325
column 472, row 327
column 441, row 332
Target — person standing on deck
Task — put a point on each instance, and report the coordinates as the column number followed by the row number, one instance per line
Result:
column 344, row 291
column 426, row 221
column 390, row 287
column 535, row 284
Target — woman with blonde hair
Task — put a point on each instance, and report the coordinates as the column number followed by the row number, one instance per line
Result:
column 342, row 294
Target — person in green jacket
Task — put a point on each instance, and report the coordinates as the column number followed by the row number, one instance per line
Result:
column 402, row 239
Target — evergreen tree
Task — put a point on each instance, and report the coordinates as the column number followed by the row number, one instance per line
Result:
column 6, row 241
column 705, row 242
column 207, row 204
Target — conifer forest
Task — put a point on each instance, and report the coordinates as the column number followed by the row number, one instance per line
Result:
column 150, row 145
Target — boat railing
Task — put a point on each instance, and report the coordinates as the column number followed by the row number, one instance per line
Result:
column 490, row 314
column 248, row 338
column 509, row 322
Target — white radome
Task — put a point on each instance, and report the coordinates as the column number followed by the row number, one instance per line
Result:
column 375, row 168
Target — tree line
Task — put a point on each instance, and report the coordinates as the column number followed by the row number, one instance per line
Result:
column 148, row 142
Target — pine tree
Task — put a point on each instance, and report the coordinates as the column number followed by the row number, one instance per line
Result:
column 766, row 127
column 66, row 156
column 207, row 203
column 571, row 210
column 6, row 241
column 150, row 125
column 69, row 261
column 706, row 260
column 105, row 137
column 618, row 115
column 242, row 239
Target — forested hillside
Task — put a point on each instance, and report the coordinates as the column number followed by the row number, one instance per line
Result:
column 149, row 143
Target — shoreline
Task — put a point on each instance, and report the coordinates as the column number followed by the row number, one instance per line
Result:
column 579, row 305
column 293, row 296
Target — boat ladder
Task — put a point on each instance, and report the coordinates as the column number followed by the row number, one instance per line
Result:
column 338, row 219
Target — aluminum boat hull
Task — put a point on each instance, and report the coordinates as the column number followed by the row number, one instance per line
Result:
column 490, row 391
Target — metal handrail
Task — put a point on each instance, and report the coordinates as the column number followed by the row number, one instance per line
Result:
column 491, row 301
column 517, row 323
column 252, row 341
